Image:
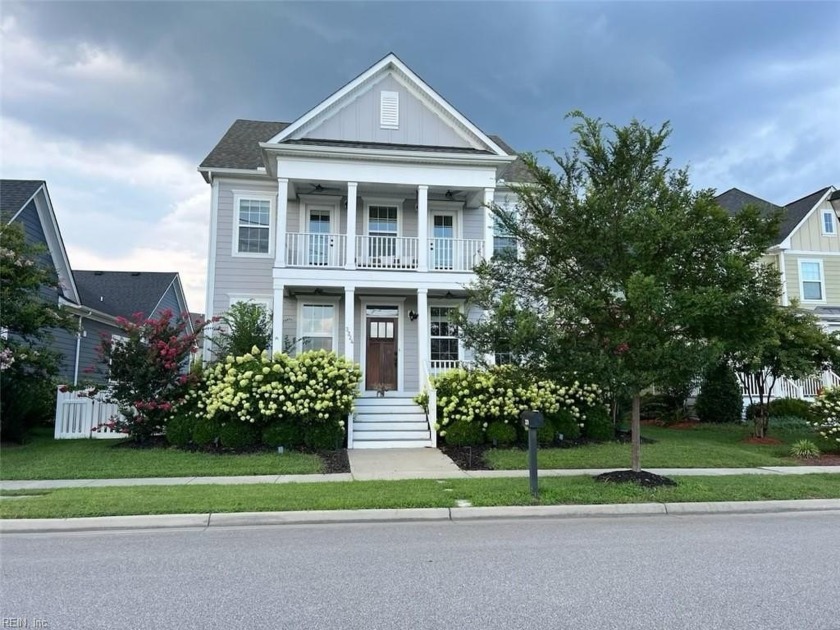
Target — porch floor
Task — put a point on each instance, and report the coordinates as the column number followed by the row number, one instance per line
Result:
column 401, row 463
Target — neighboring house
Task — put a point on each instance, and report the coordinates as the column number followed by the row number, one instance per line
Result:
column 358, row 225
column 807, row 251
column 95, row 298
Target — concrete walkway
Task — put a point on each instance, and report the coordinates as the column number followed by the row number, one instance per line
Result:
column 405, row 464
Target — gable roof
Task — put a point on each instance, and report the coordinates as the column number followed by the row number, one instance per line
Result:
column 15, row 194
column 239, row 148
column 123, row 293
column 734, row 200
column 515, row 171
column 389, row 62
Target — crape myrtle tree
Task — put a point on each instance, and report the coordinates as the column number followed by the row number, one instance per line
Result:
column 790, row 344
column 624, row 274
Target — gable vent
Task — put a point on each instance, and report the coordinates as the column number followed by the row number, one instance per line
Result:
column 389, row 110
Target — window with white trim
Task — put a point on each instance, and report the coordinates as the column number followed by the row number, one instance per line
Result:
column 503, row 241
column 443, row 334
column 811, row 280
column 318, row 326
column 383, row 227
column 828, row 223
column 253, row 226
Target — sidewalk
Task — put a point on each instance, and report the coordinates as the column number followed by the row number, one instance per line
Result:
column 412, row 471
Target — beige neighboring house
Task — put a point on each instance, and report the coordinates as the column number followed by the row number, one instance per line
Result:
column 808, row 249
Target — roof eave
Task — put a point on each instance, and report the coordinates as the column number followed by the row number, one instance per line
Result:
column 397, row 155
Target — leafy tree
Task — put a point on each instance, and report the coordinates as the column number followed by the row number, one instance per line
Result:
column 147, row 371
column 720, row 398
column 247, row 324
column 790, row 343
column 27, row 365
column 624, row 272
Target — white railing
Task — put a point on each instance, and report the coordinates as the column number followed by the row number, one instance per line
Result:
column 436, row 367
column 804, row 389
column 431, row 411
column 78, row 416
column 386, row 252
column 350, row 430
column 315, row 250
column 455, row 254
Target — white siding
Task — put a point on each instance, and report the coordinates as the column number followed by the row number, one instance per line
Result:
column 359, row 121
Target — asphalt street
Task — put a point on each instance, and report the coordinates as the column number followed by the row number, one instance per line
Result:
column 728, row 572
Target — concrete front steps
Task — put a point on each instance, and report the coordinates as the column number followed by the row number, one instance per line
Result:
column 391, row 422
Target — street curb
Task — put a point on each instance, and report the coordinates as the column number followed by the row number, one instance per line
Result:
column 320, row 517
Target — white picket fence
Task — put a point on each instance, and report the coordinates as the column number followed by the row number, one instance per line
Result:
column 78, row 416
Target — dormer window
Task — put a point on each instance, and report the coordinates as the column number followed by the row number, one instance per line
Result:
column 389, row 110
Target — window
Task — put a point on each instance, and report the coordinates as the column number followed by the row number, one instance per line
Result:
column 383, row 228
column 253, row 222
column 443, row 334
column 116, row 342
column 828, row 224
column 811, row 280
column 503, row 241
column 389, row 110
column 319, row 237
column 318, row 326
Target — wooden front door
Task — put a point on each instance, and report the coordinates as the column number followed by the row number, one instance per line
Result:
column 381, row 354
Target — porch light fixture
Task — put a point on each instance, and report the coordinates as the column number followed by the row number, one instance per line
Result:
column 412, row 315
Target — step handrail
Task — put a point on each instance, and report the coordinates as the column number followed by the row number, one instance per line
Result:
column 431, row 403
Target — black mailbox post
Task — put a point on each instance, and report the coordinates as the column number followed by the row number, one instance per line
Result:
column 532, row 420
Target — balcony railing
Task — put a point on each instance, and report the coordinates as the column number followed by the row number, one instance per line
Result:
column 386, row 252
column 382, row 252
column 455, row 254
column 439, row 366
column 315, row 250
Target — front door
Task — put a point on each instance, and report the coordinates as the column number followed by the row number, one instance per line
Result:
column 381, row 354
column 320, row 237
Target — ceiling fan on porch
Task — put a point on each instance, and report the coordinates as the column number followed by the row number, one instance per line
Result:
column 318, row 189
column 453, row 194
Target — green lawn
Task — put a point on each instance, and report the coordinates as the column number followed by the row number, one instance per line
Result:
column 46, row 458
column 705, row 446
column 75, row 502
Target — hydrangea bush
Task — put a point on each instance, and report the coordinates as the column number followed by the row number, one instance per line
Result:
column 826, row 410
column 499, row 394
column 314, row 389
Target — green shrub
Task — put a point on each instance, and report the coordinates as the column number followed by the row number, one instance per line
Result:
column 501, row 433
column 654, row 406
column 179, row 430
column 804, row 449
column 789, row 423
column 324, row 437
column 826, row 422
column 565, row 423
column 546, row 435
column 286, row 434
column 205, row 432
column 238, row 435
column 720, row 398
column 462, row 433
column 783, row 407
column 598, row 425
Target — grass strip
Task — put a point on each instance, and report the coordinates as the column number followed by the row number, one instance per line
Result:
column 76, row 502
column 45, row 458
column 704, row 446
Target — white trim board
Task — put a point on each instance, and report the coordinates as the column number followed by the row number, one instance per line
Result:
column 247, row 195
column 819, row 262
column 786, row 242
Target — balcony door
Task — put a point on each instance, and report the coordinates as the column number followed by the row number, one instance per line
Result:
column 442, row 246
column 320, row 246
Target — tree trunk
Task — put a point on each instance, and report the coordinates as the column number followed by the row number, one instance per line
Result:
column 635, row 433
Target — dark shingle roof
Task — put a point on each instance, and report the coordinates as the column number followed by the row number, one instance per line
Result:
column 734, row 200
column 240, row 146
column 122, row 293
column 14, row 193
column 795, row 211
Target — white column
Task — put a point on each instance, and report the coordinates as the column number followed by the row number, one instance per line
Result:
column 423, row 228
column 349, row 323
column 277, row 320
column 280, row 225
column 783, row 278
column 350, row 232
column 489, row 220
column 423, row 332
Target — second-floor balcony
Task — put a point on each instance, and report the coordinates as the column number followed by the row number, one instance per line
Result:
column 394, row 253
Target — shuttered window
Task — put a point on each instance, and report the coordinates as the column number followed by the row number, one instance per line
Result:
column 389, row 110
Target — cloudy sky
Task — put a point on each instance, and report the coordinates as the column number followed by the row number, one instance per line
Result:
column 115, row 104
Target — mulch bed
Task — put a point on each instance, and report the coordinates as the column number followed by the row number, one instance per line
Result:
column 467, row 457
column 768, row 441
column 335, row 461
column 826, row 459
column 642, row 478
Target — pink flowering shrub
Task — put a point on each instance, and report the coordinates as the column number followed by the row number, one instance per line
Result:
column 148, row 370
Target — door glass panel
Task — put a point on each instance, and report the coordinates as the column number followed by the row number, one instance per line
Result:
column 319, row 237
column 389, row 330
column 443, row 231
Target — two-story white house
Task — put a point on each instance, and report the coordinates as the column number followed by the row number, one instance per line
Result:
column 358, row 225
